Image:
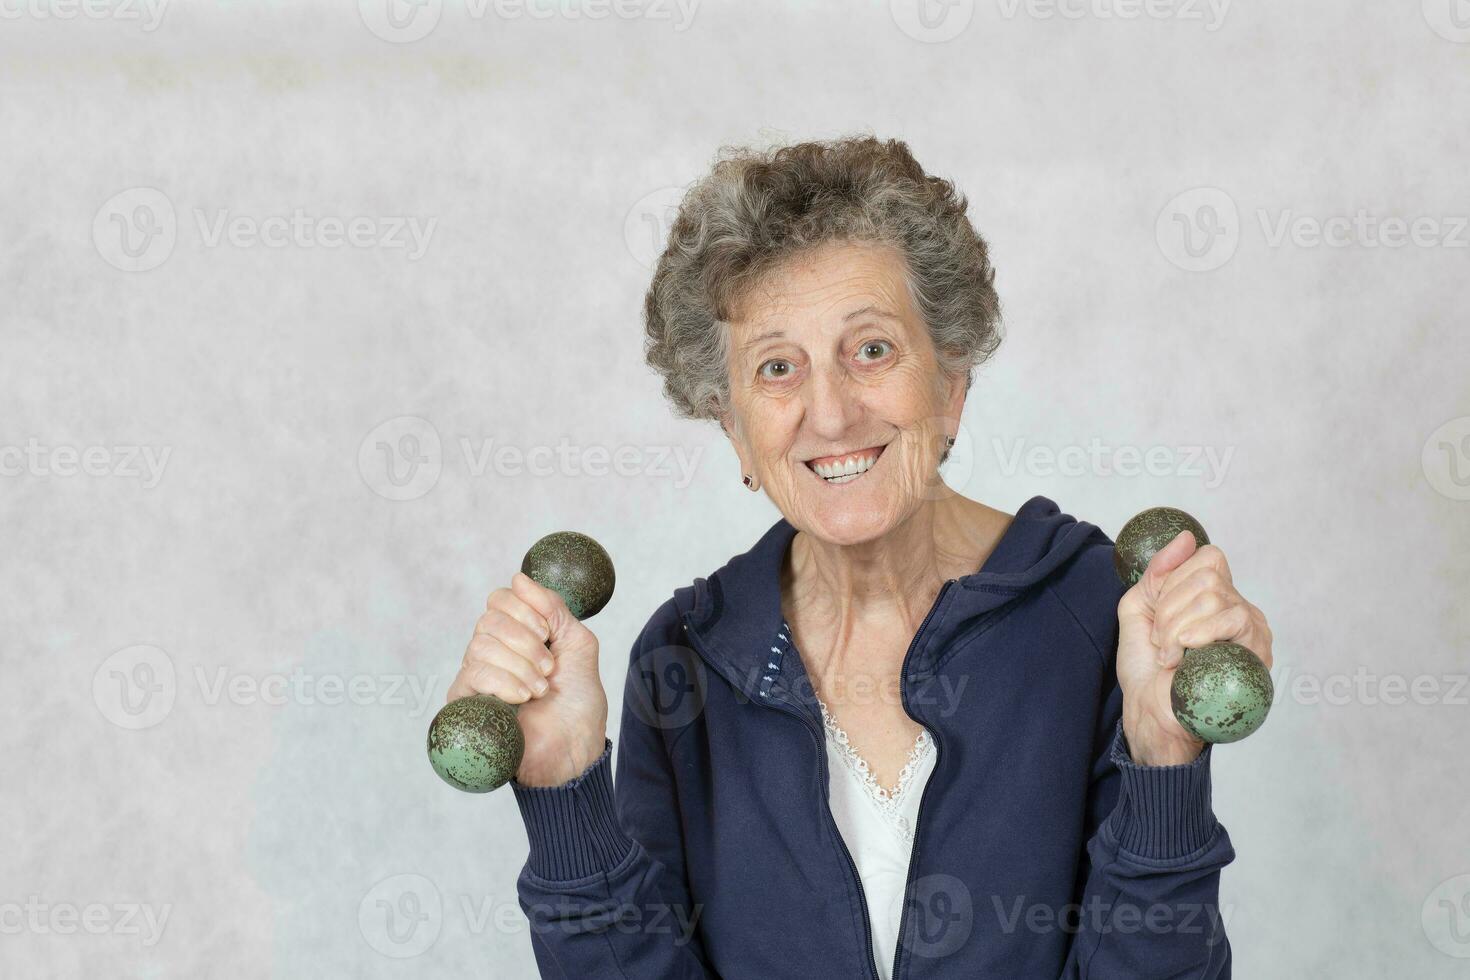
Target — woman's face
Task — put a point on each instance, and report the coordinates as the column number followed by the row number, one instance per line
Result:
column 837, row 401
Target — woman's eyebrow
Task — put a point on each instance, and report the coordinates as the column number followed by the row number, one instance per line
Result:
column 870, row 309
column 746, row 346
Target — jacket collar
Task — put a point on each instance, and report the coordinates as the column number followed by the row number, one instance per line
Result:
column 737, row 613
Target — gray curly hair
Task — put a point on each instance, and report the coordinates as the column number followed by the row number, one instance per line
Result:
column 757, row 209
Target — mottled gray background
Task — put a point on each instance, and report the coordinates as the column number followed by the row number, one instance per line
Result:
column 227, row 621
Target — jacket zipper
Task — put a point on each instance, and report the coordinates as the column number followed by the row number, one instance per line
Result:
column 817, row 739
column 903, row 915
column 821, row 746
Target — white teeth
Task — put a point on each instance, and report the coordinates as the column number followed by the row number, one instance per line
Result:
column 846, row 469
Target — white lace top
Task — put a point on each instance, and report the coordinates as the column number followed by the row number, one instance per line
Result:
column 877, row 825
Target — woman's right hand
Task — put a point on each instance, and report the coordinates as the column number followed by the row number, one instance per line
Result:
column 563, row 712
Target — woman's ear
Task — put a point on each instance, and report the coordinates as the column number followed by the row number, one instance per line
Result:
column 731, row 429
column 957, row 386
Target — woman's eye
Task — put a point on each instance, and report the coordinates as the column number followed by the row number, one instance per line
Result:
column 875, row 350
column 775, row 370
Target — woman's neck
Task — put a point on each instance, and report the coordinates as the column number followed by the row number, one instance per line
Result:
column 893, row 579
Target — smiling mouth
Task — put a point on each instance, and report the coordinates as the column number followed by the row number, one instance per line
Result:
column 846, row 467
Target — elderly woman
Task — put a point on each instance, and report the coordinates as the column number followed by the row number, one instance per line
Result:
column 905, row 734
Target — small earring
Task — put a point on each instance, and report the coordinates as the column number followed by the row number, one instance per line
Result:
column 949, row 442
column 750, row 482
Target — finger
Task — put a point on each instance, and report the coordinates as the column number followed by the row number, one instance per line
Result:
column 1232, row 624
column 1262, row 642
column 1142, row 599
column 459, row 687
column 489, row 650
column 1170, row 632
column 468, row 682
column 546, row 602
column 1207, row 557
column 512, row 605
column 486, row 678
column 513, row 633
column 1184, row 595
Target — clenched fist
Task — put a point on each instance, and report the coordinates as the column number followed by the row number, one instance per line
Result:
column 1185, row 599
column 528, row 649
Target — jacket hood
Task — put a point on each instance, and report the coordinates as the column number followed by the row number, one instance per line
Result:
column 737, row 609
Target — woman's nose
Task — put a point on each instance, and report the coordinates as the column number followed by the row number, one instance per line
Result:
column 832, row 404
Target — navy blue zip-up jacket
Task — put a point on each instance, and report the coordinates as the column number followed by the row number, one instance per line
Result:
column 1040, row 849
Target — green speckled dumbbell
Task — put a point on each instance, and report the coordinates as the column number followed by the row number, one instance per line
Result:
column 475, row 743
column 1221, row 691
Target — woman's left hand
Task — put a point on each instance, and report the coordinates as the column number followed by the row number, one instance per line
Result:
column 1184, row 599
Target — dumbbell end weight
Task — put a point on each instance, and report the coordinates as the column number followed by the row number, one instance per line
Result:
column 1145, row 535
column 574, row 566
column 475, row 743
column 1221, row 691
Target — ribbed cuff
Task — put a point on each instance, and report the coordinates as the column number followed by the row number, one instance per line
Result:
column 1163, row 812
column 573, row 828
